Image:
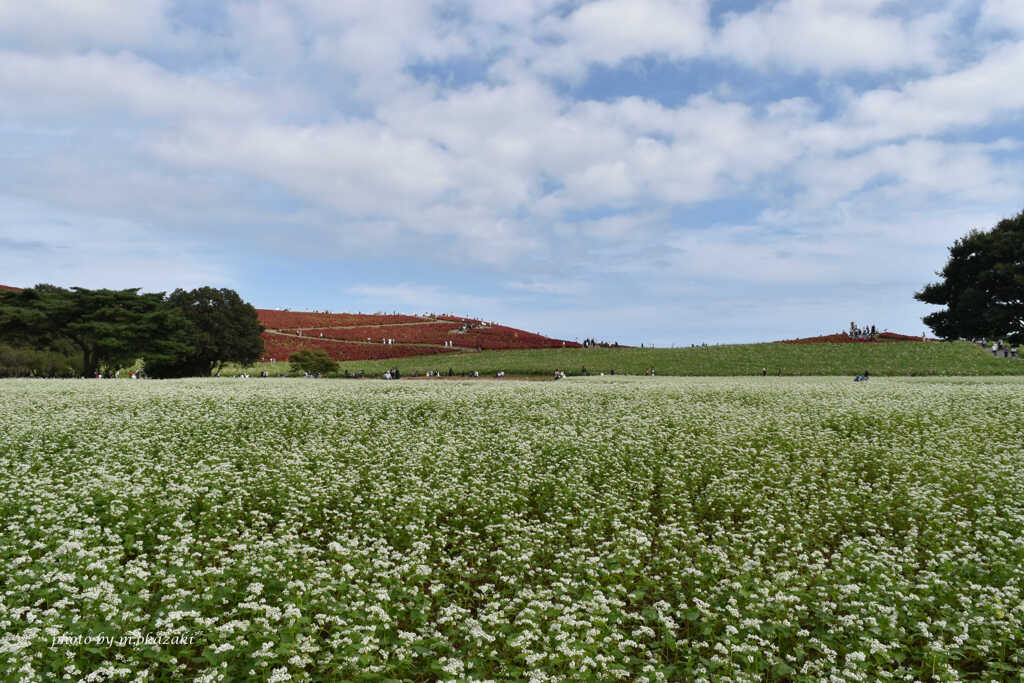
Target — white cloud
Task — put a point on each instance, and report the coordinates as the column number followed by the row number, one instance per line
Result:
column 358, row 166
column 611, row 31
column 69, row 86
column 82, row 24
column 42, row 244
column 559, row 288
column 972, row 96
column 912, row 172
column 1003, row 15
column 404, row 296
column 830, row 36
column 465, row 132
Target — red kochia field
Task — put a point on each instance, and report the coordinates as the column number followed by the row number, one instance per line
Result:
column 280, row 347
column 276, row 320
column 347, row 336
column 422, row 333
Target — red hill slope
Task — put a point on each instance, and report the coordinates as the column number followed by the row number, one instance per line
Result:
column 349, row 336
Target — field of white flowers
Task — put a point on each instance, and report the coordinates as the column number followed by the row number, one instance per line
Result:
column 600, row 529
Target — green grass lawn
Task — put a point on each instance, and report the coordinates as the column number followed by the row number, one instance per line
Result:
column 895, row 359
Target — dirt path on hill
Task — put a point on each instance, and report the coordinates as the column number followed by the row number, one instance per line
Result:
column 369, row 343
column 433, row 321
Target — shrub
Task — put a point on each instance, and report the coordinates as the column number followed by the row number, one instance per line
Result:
column 313, row 361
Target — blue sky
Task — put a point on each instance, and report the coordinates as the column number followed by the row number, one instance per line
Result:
column 641, row 171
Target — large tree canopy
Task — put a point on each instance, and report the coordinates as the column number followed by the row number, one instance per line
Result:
column 222, row 329
column 110, row 328
column 982, row 285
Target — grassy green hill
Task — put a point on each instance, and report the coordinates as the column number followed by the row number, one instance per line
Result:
column 914, row 358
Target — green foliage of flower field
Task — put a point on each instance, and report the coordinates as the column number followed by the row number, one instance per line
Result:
column 896, row 359
column 598, row 529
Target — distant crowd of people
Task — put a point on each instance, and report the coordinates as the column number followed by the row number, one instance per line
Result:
column 999, row 348
column 593, row 344
column 866, row 332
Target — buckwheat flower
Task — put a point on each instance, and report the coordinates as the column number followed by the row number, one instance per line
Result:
column 379, row 612
column 278, row 675
column 455, row 667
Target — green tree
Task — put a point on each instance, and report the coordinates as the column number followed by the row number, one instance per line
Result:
column 222, row 329
column 313, row 361
column 982, row 285
column 109, row 328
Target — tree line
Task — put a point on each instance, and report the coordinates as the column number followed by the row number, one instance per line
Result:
column 52, row 331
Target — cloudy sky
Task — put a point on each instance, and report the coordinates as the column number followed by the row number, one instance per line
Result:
column 646, row 171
